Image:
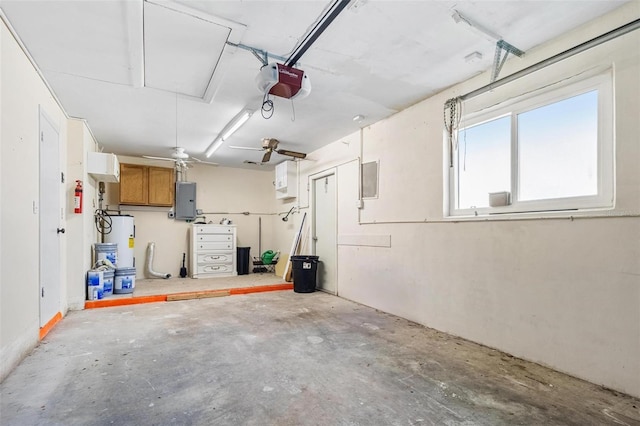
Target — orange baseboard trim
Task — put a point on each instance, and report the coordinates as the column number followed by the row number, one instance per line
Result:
column 261, row 289
column 48, row 326
column 109, row 303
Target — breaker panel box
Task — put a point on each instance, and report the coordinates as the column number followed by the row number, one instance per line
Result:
column 185, row 200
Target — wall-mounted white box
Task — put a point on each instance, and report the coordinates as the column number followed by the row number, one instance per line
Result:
column 103, row 167
column 286, row 180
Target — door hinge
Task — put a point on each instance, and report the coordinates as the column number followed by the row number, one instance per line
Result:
column 42, row 292
column 62, row 177
column 41, row 136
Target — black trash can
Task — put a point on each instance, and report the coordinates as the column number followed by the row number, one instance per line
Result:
column 243, row 260
column 304, row 273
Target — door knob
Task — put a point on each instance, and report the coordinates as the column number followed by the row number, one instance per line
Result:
column 60, row 230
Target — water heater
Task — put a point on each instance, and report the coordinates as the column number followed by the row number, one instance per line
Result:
column 123, row 234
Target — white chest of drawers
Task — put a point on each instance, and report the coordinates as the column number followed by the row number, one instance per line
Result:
column 213, row 251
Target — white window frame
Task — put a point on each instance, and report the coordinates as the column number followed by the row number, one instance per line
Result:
column 604, row 199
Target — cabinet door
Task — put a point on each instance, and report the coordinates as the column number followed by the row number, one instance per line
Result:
column 103, row 167
column 160, row 186
column 286, row 180
column 133, row 184
column 281, row 176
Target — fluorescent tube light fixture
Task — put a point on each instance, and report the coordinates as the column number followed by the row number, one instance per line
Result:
column 231, row 127
column 236, row 123
column 213, row 147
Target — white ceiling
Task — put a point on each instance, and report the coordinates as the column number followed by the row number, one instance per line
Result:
column 375, row 59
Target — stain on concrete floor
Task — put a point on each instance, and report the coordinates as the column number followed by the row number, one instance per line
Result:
column 285, row 359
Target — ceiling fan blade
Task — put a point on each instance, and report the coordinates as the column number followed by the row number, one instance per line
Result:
column 199, row 161
column 158, row 158
column 255, row 163
column 267, row 156
column 250, row 148
column 291, row 153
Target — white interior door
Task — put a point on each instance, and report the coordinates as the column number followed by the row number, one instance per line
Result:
column 324, row 232
column 50, row 218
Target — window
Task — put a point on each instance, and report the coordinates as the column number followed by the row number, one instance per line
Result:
column 549, row 151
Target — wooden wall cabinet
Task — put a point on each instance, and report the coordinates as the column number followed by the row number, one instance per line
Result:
column 146, row 185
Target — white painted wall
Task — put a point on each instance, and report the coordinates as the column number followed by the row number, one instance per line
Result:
column 564, row 293
column 80, row 227
column 22, row 91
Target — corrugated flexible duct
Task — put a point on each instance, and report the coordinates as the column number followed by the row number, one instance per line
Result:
column 150, row 272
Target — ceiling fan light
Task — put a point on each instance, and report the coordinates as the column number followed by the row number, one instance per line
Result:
column 179, row 153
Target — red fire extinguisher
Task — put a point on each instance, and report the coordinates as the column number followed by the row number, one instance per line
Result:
column 77, row 198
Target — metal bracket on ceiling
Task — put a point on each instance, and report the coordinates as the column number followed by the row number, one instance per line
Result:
column 499, row 60
column 260, row 54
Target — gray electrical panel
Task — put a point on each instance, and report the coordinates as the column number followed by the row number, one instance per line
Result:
column 185, row 200
column 370, row 179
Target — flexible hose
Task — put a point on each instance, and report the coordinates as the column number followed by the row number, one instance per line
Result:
column 102, row 221
column 150, row 272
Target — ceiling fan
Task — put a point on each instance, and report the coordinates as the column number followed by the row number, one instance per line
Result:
column 271, row 145
column 181, row 158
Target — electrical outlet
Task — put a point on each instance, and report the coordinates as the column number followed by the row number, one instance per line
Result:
column 171, row 214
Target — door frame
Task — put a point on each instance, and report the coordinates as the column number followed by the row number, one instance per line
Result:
column 313, row 178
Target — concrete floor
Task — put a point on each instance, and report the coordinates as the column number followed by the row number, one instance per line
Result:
column 284, row 358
